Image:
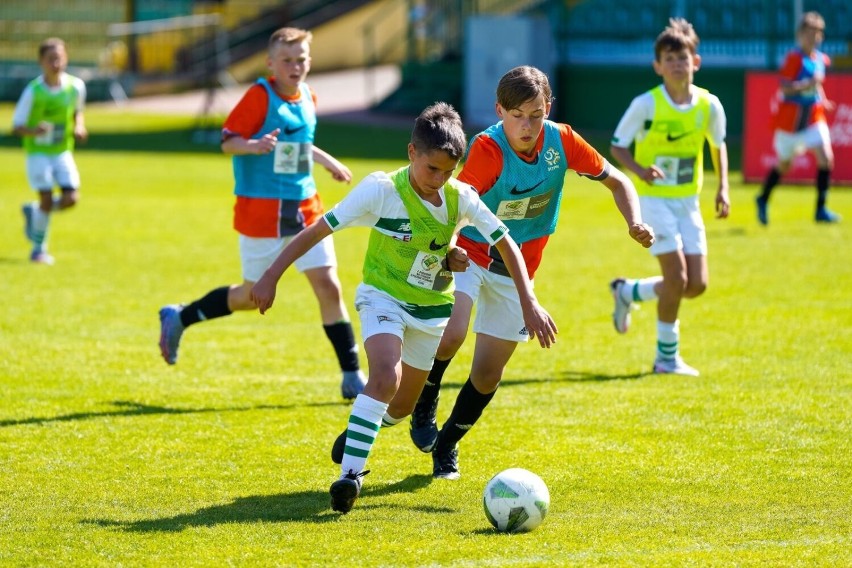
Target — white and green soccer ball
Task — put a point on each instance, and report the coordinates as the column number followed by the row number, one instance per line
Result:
column 515, row 500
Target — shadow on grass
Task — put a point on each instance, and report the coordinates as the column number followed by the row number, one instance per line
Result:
column 129, row 408
column 577, row 377
column 302, row 506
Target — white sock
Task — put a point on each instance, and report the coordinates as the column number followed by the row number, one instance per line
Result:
column 388, row 420
column 364, row 422
column 668, row 336
column 641, row 290
column 41, row 220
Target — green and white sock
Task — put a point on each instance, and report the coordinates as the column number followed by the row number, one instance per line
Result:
column 364, row 423
column 668, row 337
column 641, row 290
column 388, row 420
column 41, row 220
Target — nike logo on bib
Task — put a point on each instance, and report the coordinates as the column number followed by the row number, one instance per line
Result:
column 516, row 191
column 435, row 246
column 672, row 137
column 288, row 130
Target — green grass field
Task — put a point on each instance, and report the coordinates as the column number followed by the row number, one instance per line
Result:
column 109, row 457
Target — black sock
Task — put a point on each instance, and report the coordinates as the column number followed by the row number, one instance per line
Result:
column 772, row 179
column 469, row 406
column 213, row 305
column 433, row 382
column 343, row 340
column 823, row 177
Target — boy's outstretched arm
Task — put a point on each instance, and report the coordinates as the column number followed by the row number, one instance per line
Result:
column 538, row 322
column 263, row 292
column 627, row 202
column 334, row 166
column 625, row 157
column 720, row 164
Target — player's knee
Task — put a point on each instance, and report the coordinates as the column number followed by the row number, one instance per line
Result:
column 327, row 290
column 694, row 289
column 451, row 342
column 383, row 383
column 68, row 199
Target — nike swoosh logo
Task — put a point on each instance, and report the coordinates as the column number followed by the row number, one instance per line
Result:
column 435, row 246
column 288, row 130
column 672, row 138
column 516, row 191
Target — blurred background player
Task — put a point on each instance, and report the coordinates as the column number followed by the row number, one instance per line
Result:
column 669, row 125
column 406, row 297
column 800, row 123
column 49, row 118
column 518, row 167
column 270, row 134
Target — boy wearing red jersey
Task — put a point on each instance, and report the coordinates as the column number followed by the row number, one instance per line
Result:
column 270, row 135
column 800, row 123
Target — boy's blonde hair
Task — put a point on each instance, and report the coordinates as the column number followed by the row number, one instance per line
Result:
column 522, row 84
column 811, row 20
column 48, row 44
column 677, row 36
column 287, row 36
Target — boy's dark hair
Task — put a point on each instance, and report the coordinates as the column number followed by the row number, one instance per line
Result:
column 48, row 44
column 522, row 84
column 286, row 36
column 439, row 127
column 677, row 36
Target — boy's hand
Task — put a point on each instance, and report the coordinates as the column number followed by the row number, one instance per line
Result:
column 81, row 134
column 457, row 260
column 338, row 171
column 723, row 203
column 267, row 142
column 651, row 173
column 539, row 324
column 642, row 234
column 263, row 293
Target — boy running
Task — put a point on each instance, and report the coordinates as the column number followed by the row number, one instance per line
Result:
column 518, row 166
column 270, row 134
column 800, row 123
column 49, row 118
column 406, row 297
column 669, row 124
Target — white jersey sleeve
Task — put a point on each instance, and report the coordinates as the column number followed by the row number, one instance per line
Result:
column 472, row 211
column 630, row 126
column 23, row 107
column 717, row 128
column 363, row 206
column 80, row 87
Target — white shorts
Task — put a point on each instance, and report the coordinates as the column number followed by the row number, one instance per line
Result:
column 789, row 144
column 380, row 313
column 498, row 307
column 677, row 224
column 44, row 171
column 256, row 254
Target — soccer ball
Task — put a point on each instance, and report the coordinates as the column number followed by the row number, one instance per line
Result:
column 515, row 500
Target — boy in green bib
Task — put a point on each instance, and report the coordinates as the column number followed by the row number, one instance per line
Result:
column 49, row 118
column 668, row 126
column 406, row 295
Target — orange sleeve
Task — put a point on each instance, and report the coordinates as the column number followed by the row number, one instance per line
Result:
column 248, row 116
column 792, row 65
column 483, row 165
column 582, row 156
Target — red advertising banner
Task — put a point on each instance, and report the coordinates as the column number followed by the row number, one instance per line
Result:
column 761, row 92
